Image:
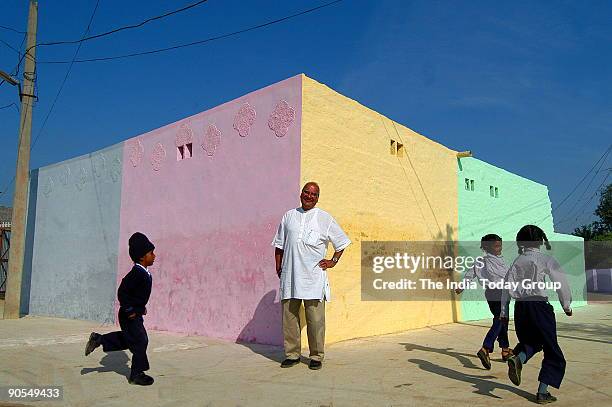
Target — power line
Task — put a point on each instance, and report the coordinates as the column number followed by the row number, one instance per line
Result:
column 600, row 188
column 9, row 105
column 65, row 78
column 116, row 30
column 128, row 27
column 9, row 45
column 155, row 51
column 577, row 185
column 570, row 213
column 12, row 29
column 2, row 194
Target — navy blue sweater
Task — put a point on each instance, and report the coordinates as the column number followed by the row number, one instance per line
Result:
column 135, row 290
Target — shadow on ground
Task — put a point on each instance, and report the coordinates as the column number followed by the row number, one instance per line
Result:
column 463, row 358
column 480, row 383
column 111, row 362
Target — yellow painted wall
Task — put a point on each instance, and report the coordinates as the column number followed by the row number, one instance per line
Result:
column 375, row 196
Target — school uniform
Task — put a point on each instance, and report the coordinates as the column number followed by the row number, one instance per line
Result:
column 534, row 319
column 493, row 270
column 133, row 294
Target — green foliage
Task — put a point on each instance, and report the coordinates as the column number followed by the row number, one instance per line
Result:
column 604, row 209
column 599, row 230
column 603, row 237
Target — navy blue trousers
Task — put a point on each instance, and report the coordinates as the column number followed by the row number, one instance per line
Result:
column 499, row 329
column 133, row 336
column 536, row 329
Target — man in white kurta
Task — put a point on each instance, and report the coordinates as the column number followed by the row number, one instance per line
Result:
column 301, row 245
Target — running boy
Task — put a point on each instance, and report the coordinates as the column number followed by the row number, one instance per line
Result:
column 133, row 295
column 493, row 270
column 534, row 319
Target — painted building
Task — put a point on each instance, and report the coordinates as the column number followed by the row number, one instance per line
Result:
column 210, row 189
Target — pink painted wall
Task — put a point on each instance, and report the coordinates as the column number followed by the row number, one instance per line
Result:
column 212, row 217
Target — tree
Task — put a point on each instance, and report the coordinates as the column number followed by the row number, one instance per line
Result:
column 604, row 209
column 602, row 228
column 587, row 232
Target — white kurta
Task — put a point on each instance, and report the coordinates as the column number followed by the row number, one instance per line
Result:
column 303, row 236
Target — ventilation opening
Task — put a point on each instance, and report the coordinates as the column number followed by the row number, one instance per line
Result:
column 393, row 149
column 491, row 191
column 496, row 193
column 471, row 185
column 467, row 184
column 183, row 152
column 400, row 150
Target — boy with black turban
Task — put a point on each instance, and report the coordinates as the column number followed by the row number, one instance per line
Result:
column 133, row 295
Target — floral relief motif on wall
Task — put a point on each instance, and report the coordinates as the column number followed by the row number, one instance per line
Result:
column 82, row 179
column 281, row 118
column 212, row 139
column 48, row 188
column 184, row 135
column 158, row 156
column 115, row 170
column 244, row 119
column 136, row 152
column 65, row 176
column 98, row 165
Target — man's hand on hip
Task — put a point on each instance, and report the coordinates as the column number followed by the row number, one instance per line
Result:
column 327, row 264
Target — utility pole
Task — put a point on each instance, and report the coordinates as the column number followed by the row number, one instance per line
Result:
column 12, row 303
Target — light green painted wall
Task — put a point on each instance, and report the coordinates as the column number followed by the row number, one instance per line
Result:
column 520, row 201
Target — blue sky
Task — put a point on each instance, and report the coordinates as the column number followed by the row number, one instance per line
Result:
column 525, row 85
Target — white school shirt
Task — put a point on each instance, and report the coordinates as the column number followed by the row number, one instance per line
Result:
column 534, row 266
column 494, row 269
column 303, row 236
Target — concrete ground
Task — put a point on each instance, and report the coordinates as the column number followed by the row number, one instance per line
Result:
column 434, row 366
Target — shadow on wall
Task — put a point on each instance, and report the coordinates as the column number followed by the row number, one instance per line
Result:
column 265, row 323
column 26, row 282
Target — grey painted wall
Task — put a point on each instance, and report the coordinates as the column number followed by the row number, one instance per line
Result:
column 75, row 237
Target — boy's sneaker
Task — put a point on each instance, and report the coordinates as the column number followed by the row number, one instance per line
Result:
column 514, row 369
column 483, row 355
column 141, row 379
column 545, row 398
column 95, row 340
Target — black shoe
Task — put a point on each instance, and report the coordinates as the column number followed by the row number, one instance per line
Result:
column 315, row 365
column 290, row 362
column 141, row 380
column 514, row 369
column 94, row 341
column 545, row 398
column 483, row 355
